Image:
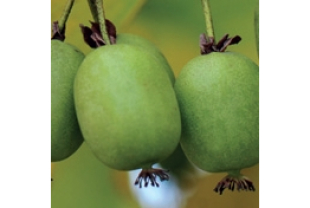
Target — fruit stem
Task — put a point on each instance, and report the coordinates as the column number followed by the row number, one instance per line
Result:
column 65, row 16
column 208, row 19
column 93, row 9
column 101, row 21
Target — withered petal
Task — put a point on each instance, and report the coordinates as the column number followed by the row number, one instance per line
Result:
column 87, row 33
column 210, row 46
column 93, row 37
column 56, row 33
column 229, row 41
column 222, row 41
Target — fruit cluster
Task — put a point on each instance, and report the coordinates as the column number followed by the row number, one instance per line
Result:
column 123, row 100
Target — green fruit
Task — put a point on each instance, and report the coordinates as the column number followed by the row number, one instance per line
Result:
column 66, row 137
column 176, row 163
column 148, row 46
column 126, row 107
column 177, row 160
column 218, row 96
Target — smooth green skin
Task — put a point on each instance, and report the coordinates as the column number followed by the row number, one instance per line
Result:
column 66, row 137
column 126, row 107
column 135, row 40
column 218, row 96
column 177, row 162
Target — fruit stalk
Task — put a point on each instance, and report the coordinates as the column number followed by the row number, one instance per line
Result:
column 101, row 21
column 64, row 17
column 93, row 9
column 208, row 19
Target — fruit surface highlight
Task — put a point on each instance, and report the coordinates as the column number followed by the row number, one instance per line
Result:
column 130, row 39
column 66, row 137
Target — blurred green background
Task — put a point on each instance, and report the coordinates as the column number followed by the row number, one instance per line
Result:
column 81, row 181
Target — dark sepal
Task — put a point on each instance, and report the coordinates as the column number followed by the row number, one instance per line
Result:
column 92, row 39
column 56, row 33
column 149, row 176
column 92, row 35
column 230, row 182
column 208, row 46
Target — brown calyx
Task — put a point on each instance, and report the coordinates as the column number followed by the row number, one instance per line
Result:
column 209, row 46
column 92, row 35
column 232, row 182
column 56, row 33
column 149, row 176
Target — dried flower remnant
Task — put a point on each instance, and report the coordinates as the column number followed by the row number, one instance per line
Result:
column 231, row 182
column 92, row 35
column 57, row 34
column 149, row 176
column 208, row 46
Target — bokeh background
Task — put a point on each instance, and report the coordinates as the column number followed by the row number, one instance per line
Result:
column 82, row 181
